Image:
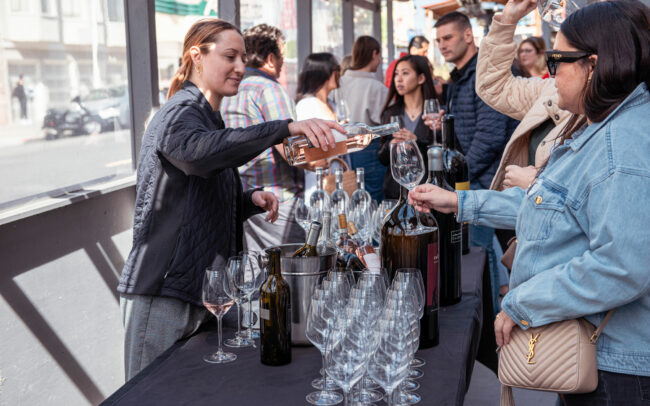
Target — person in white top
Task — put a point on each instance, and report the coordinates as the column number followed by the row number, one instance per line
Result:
column 319, row 75
column 365, row 96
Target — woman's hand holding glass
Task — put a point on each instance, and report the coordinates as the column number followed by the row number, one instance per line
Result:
column 428, row 197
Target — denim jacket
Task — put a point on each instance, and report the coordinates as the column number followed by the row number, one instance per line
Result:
column 583, row 232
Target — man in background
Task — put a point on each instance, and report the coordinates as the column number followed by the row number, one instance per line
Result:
column 261, row 98
column 481, row 131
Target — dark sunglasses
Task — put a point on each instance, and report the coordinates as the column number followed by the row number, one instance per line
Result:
column 553, row 58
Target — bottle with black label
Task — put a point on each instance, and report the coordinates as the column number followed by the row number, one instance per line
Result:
column 450, row 232
column 275, row 315
column 403, row 245
column 455, row 167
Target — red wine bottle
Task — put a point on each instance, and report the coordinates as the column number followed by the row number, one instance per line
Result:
column 455, row 167
column 450, row 235
column 404, row 246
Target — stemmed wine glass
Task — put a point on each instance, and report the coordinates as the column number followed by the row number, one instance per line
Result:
column 341, row 107
column 252, row 277
column 303, row 215
column 235, row 274
column 217, row 299
column 407, row 167
column 431, row 110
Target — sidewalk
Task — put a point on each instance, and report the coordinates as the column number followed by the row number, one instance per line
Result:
column 20, row 133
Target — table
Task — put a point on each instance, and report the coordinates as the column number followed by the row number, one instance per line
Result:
column 180, row 376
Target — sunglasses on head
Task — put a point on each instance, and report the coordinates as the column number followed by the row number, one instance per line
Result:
column 553, row 58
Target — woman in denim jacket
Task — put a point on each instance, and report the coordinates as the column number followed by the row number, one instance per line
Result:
column 583, row 226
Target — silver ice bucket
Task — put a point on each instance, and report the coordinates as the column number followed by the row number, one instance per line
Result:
column 302, row 275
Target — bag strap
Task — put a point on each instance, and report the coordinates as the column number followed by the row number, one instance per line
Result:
column 594, row 337
column 506, row 396
column 341, row 162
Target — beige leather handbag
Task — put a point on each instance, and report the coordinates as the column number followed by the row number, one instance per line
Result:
column 559, row 357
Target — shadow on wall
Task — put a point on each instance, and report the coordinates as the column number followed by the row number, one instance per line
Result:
column 38, row 240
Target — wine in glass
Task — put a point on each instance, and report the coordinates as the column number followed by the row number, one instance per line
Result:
column 217, row 299
column 407, row 167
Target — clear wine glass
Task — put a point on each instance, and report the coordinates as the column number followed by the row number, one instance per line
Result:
column 407, row 167
column 254, row 275
column 217, row 299
column 303, row 216
column 317, row 332
column 341, row 107
column 431, row 110
column 235, row 273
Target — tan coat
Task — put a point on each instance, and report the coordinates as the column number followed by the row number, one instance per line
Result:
column 530, row 100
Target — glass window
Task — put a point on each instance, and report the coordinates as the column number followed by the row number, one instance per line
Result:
column 115, row 10
column 64, row 119
column 20, row 6
column 327, row 27
column 173, row 19
column 48, row 8
column 362, row 22
column 70, row 8
column 281, row 14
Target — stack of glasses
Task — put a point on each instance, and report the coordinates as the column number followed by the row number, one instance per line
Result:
column 367, row 333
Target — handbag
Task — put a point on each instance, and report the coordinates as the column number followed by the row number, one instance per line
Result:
column 558, row 357
column 349, row 177
column 509, row 256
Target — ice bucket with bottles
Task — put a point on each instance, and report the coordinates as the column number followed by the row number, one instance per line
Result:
column 302, row 274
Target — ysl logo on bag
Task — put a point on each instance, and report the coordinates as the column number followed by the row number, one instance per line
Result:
column 531, row 348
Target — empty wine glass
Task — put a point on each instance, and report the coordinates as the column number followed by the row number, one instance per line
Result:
column 303, row 217
column 317, row 332
column 253, row 276
column 341, row 107
column 555, row 12
column 217, row 299
column 407, row 167
column 235, row 273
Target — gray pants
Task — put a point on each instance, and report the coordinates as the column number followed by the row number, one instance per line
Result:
column 152, row 324
column 258, row 234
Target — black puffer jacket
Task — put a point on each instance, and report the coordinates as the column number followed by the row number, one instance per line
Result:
column 189, row 205
column 482, row 131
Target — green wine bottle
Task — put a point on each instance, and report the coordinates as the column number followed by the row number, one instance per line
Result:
column 309, row 249
column 275, row 315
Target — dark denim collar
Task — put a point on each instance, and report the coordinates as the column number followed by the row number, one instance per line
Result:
column 198, row 97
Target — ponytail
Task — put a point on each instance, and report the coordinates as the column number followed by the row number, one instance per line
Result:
column 202, row 33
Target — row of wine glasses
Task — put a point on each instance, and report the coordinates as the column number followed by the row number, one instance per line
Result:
column 234, row 284
column 367, row 334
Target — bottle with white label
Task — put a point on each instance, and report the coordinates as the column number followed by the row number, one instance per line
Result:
column 450, row 235
column 358, row 136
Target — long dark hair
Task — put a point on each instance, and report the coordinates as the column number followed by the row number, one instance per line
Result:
column 362, row 51
column 421, row 67
column 622, row 64
column 315, row 72
column 202, row 34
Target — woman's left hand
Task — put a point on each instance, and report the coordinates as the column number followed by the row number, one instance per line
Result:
column 403, row 135
column 268, row 202
column 503, row 325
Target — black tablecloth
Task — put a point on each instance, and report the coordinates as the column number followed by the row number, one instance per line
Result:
column 180, row 376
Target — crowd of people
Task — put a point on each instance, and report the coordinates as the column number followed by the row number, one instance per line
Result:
column 555, row 146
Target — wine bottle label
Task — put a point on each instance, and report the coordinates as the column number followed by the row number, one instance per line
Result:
column 265, row 314
column 456, row 236
column 315, row 154
column 372, row 262
column 432, row 274
column 462, row 185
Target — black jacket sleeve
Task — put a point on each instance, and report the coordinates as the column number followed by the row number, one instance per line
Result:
column 194, row 148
